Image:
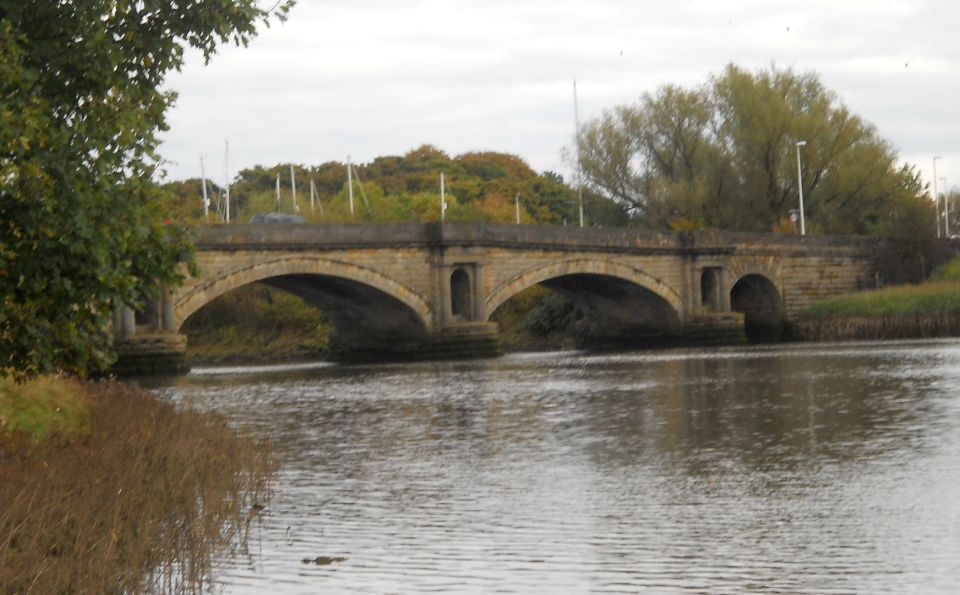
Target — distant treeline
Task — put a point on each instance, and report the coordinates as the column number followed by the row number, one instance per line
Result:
column 479, row 186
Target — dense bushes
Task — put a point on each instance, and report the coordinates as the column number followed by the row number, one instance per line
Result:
column 256, row 322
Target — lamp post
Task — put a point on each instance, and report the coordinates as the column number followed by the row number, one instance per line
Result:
column 936, row 194
column 946, row 207
column 803, row 225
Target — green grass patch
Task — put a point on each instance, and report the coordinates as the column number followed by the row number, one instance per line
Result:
column 43, row 407
column 929, row 299
column 947, row 272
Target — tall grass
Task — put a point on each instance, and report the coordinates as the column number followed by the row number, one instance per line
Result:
column 903, row 300
column 141, row 498
column 905, row 311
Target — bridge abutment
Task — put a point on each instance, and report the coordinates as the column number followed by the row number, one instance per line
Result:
column 463, row 340
column 151, row 353
column 148, row 342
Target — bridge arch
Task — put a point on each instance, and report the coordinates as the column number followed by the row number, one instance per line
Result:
column 600, row 268
column 196, row 297
column 621, row 306
column 757, row 296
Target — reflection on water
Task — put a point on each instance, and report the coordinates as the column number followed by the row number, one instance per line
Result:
column 829, row 468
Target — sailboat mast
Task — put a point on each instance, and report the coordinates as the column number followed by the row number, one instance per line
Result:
column 226, row 175
column 443, row 200
column 276, row 201
column 293, row 190
column 576, row 132
column 203, row 182
column 350, row 184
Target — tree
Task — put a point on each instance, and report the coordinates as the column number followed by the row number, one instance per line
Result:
column 479, row 186
column 724, row 155
column 81, row 226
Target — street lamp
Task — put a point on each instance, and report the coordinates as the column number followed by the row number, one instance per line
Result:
column 936, row 195
column 946, row 207
column 803, row 226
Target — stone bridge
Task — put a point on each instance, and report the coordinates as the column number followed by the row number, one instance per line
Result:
column 408, row 287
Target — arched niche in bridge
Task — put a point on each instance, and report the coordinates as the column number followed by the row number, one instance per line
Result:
column 370, row 312
column 710, row 291
column 762, row 306
column 620, row 305
column 461, row 290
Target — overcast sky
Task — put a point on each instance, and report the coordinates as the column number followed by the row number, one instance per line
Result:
column 380, row 77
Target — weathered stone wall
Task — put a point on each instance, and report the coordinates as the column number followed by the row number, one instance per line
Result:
column 413, row 262
column 389, row 287
column 402, row 272
column 804, row 270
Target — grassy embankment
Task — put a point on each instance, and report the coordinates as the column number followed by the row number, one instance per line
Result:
column 105, row 489
column 931, row 309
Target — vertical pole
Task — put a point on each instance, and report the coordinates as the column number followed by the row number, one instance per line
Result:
column 226, row 174
column 936, row 194
column 293, row 190
column 946, row 208
column 516, row 204
column 206, row 201
column 276, row 201
column 443, row 201
column 313, row 192
column 319, row 203
column 580, row 194
column 350, row 184
column 803, row 225
column 576, row 132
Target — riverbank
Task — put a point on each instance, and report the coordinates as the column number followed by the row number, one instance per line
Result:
column 904, row 312
column 107, row 489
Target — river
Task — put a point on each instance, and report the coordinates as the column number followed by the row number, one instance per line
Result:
column 819, row 468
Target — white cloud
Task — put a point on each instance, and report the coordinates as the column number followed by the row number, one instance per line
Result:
column 371, row 77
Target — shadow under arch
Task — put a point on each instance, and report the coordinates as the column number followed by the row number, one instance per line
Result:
column 371, row 313
column 622, row 306
column 757, row 297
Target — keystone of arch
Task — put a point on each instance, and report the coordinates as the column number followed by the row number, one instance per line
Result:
column 583, row 267
column 208, row 290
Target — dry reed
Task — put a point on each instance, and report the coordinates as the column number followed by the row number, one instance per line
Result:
column 865, row 328
column 141, row 502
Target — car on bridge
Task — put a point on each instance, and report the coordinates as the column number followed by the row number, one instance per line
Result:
column 276, row 218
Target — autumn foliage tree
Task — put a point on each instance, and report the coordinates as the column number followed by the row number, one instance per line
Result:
column 723, row 155
column 479, row 186
column 81, row 227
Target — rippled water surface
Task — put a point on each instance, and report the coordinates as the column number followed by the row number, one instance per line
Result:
column 822, row 469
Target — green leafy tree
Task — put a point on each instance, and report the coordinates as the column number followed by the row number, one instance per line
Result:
column 81, row 224
column 480, row 186
column 723, row 155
